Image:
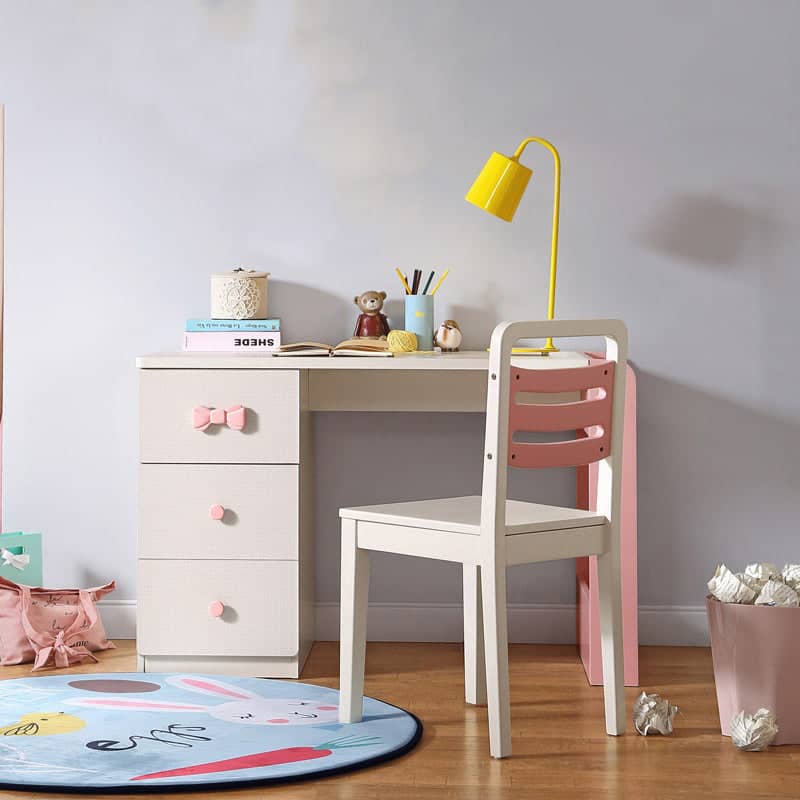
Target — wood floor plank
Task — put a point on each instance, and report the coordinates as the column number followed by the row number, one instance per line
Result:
column 560, row 747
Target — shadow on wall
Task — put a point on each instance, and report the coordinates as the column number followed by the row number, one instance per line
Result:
column 718, row 482
column 309, row 313
column 478, row 322
column 709, row 229
column 395, row 311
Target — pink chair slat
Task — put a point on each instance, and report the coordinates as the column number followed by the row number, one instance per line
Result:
column 572, row 453
column 577, row 379
column 590, row 416
column 560, row 416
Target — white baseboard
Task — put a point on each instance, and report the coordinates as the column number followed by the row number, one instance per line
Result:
column 442, row 622
column 676, row 625
column 119, row 618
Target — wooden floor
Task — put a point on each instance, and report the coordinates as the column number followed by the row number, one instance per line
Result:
column 560, row 748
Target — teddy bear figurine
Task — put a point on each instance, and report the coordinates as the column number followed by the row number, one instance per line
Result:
column 371, row 323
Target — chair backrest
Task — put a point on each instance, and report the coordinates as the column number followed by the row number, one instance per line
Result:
column 585, row 403
column 589, row 416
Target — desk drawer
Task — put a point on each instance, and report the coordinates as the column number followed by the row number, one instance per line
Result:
column 260, row 504
column 260, row 600
column 271, row 399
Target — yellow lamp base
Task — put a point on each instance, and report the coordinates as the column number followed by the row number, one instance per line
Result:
column 533, row 351
column 548, row 348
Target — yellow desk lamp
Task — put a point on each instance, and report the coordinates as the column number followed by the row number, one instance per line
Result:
column 498, row 190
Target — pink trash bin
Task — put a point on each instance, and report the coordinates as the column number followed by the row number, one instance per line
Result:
column 756, row 652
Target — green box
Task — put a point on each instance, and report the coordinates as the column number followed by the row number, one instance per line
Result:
column 21, row 544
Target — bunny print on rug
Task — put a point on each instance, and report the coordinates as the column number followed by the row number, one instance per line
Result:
column 239, row 706
column 117, row 731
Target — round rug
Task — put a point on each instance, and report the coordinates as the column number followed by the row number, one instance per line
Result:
column 156, row 732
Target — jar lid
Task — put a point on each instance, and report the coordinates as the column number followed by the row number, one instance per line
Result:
column 240, row 273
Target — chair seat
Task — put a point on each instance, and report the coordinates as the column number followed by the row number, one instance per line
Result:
column 463, row 514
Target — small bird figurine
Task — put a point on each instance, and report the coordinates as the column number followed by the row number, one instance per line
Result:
column 448, row 337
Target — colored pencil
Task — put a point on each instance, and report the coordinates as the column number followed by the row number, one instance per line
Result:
column 417, row 278
column 428, row 282
column 441, row 281
column 403, row 280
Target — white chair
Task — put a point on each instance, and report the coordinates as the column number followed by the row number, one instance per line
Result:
column 488, row 533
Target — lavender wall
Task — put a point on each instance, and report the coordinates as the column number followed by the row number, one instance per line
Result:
column 150, row 144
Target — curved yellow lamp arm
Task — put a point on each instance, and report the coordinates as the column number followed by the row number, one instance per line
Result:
column 551, row 295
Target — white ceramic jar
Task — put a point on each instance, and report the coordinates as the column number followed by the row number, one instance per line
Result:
column 240, row 294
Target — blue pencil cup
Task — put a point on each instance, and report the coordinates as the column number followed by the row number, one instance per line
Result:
column 419, row 319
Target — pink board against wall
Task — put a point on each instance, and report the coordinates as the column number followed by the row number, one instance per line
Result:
column 2, row 141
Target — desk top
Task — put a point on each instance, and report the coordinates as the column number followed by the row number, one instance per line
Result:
column 467, row 361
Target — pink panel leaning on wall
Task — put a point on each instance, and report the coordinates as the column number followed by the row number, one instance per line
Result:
column 2, row 140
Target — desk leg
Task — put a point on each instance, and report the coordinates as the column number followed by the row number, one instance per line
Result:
column 588, row 615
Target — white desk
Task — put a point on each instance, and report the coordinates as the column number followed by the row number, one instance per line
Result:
column 262, row 477
column 426, row 382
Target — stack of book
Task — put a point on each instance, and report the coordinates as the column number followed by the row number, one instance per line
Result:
column 232, row 335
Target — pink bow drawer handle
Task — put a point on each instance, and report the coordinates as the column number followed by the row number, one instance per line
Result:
column 216, row 511
column 234, row 417
column 216, row 609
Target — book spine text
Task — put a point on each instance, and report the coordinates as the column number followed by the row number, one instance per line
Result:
column 242, row 325
column 231, row 342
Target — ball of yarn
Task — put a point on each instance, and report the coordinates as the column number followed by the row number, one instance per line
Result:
column 402, row 341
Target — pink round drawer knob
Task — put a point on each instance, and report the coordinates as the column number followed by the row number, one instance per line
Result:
column 216, row 511
column 216, row 609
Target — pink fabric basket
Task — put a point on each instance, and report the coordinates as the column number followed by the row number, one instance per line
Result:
column 50, row 626
column 756, row 652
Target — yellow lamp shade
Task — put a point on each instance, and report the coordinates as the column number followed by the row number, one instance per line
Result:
column 500, row 186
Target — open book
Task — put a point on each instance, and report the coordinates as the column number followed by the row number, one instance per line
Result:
column 349, row 347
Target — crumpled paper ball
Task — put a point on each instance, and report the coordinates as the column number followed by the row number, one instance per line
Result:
column 762, row 572
column 791, row 575
column 754, row 732
column 750, row 581
column 730, row 588
column 763, row 584
column 777, row 593
column 653, row 714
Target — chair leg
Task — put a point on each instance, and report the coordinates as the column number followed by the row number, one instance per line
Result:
column 353, row 627
column 610, row 601
column 495, row 625
column 474, row 657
